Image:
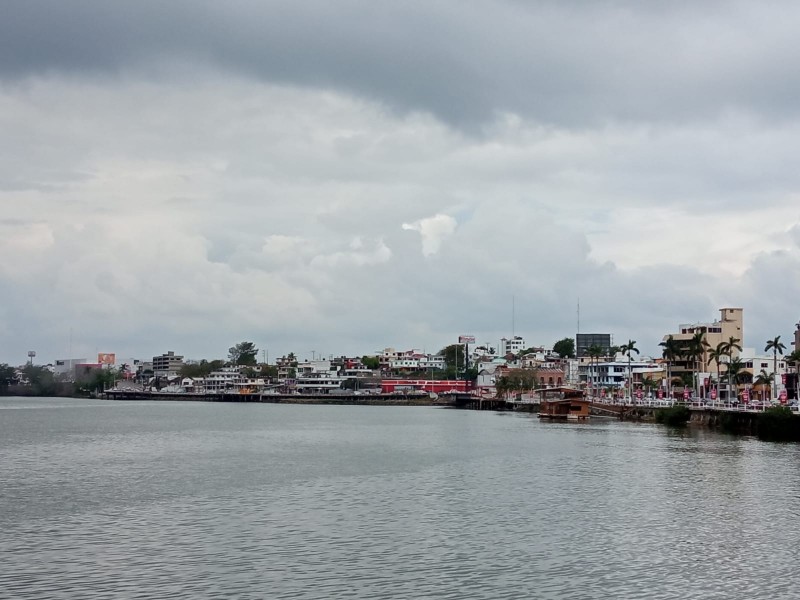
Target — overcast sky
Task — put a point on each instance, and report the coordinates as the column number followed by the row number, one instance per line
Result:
column 339, row 177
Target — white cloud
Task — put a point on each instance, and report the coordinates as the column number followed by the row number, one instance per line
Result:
column 433, row 231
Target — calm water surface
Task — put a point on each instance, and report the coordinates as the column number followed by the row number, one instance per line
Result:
column 199, row 500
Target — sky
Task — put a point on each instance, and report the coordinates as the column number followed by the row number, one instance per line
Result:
column 337, row 178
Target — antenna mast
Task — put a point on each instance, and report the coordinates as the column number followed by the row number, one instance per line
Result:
column 513, row 307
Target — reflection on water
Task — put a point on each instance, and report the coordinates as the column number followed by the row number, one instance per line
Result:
column 203, row 500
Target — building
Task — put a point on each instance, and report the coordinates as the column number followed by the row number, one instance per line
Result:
column 796, row 342
column 730, row 325
column 167, row 365
column 613, row 373
column 584, row 341
column 514, row 345
column 438, row 386
column 64, row 368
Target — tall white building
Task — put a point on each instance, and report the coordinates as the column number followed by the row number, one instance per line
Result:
column 513, row 345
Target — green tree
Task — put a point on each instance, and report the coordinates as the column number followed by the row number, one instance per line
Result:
column 732, row 344
column 717, row 354
column 8, row 376
column 269, row 371
column 515, row 381
column 628, row 350
column 243, row 353
column 671, row 350
column 594, row 352
column 204, row 368
column 371, row 362
column 41, row 380
column 696, row 352
column 454, row 357
column 777, row 347
column 565, row 348
column 765, row 379
column 648, row 383
column 735, row 366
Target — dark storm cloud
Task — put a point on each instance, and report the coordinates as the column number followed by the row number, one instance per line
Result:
column 562, row 62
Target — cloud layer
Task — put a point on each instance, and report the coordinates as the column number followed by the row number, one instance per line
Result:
column 183, row 177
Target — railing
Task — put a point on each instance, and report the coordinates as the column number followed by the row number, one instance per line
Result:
column 694, row 404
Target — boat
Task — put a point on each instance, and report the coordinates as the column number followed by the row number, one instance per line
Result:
column 563, row 404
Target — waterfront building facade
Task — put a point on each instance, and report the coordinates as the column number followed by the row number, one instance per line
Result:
column 730, row 325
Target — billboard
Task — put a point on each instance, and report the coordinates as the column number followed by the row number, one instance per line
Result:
column 106, row 358
column 466, row 339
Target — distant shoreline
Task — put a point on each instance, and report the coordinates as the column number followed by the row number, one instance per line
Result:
column 333, row 399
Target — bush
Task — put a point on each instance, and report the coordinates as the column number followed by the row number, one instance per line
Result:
column 778, row 424
column 675, row 416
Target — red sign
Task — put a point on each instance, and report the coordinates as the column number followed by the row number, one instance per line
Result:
column 713, row 394
column 745, row 396
column 783, row 396
column 685, row 394
column 660, row 394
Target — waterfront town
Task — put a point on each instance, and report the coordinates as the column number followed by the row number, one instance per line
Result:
column 702, row 362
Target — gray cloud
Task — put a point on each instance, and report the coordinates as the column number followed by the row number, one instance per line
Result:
column 345, row 177
column 568, row 63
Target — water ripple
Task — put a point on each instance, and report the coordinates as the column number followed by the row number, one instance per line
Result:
column 218, row 501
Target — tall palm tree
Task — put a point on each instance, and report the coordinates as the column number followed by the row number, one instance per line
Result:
column 627, row 350
column 671, row 351
column 765, row 379
column 594, row 352
column 732, row 344
column 735, row 367
column 717, row 354
column 696, row 352
column 776, row 346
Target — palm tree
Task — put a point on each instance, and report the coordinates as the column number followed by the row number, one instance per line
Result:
column 735, row 367
column 696, row 352
column 648, row 383
column 776, row 346
column 671, row 351
column 628, row 349
column 765, row 378
column 594, row 352
column 732, row 344
column 716, row 354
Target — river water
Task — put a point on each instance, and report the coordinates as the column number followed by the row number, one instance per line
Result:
column 102, row 499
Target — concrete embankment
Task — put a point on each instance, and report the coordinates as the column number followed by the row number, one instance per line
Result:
column 334, row 399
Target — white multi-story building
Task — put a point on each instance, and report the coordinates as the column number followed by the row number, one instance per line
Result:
column 225, row 379
column 513, row 345
column 754, row 363
column 65, row 367
column 614, row 373
column 319, row 383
